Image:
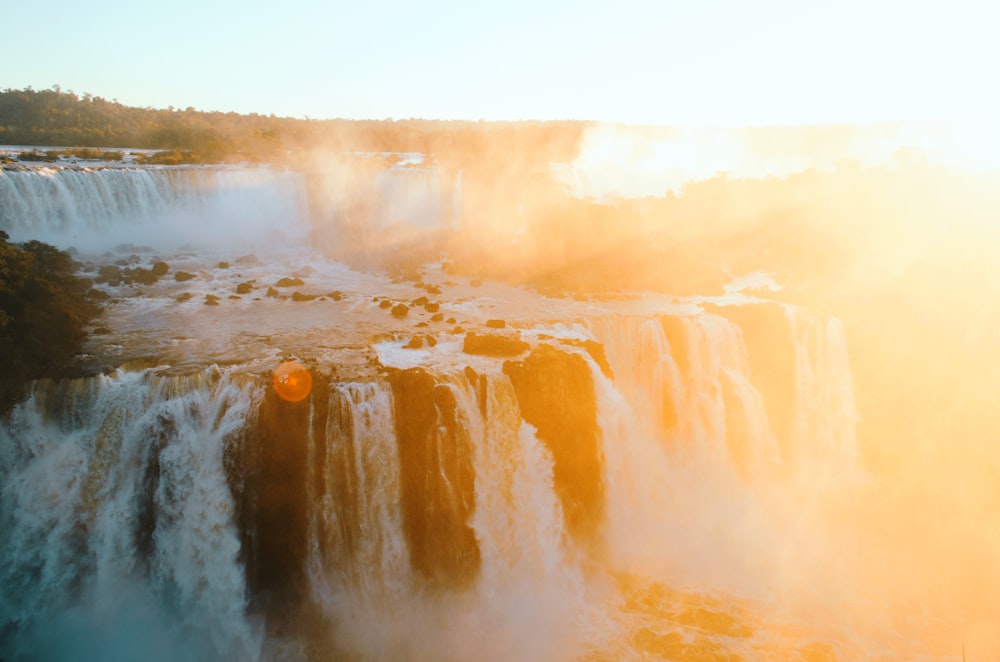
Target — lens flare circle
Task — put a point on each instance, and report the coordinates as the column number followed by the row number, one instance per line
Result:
column 292, row 381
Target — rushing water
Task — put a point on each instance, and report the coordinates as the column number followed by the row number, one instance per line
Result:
column 632, row 485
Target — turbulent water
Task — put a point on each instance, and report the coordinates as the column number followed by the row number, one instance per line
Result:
column 646, row 478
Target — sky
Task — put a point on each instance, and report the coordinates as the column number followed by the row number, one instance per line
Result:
column 692, row 63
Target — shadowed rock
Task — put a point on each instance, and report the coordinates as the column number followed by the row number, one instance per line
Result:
column 494, row 344
column 437, row 479
column 555, row 391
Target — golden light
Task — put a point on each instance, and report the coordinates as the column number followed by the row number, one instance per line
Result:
column 292, row 381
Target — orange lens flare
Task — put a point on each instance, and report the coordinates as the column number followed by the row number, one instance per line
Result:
column 292, row 381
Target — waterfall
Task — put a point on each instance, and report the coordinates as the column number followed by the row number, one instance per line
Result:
column 118, row 521
column 95, row 209
column 358, row 560
column 495, row 504
column 825, row 413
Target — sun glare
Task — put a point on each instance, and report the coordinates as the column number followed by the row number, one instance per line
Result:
column 292, row 381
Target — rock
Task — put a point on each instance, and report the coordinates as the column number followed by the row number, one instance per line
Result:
column 289, row 282
column 235, row 296
column 437, row 490
column 385, row 303
column 437, row 317
column 184, row 297
column 450, row 320
column 400, row 310
column 431, row 341
column 271, row 292
column 142, row 276
column 416, row 342
column 432, row 306
column 182, row 276
column 223, row 265
column 336, row 295
column 420, row 301
column 298, row 296
column 555, row 393
column 160, row 268
column 101, row 331
column 494, row 344
column 97, row 295
column 421, row 324
column 433, row 289
column 245, row 288
column 110, row 274
column 457, row 330
column 596, row 351
column 211, row 300
column 496, row 324
column 248, row 260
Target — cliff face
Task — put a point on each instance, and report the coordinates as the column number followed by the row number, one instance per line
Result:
column 555, row 391
column 437, row 480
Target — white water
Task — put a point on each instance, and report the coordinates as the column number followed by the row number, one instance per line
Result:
column 79, row 492
column 247, row 209
column 687, row 454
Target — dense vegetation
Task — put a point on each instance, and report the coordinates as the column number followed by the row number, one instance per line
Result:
column 54, row 117
column 43, row 311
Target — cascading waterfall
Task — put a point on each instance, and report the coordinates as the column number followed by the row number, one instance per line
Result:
column 358, row 562
column 94, row 209
column 118, row 521
column 825, row 413
column 474, row 507
column 118, row 498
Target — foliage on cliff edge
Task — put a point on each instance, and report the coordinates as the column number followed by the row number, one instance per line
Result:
column 43, row 311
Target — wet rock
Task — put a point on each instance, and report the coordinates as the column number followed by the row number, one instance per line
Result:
column 211, row 300
column 450, row 320
column 336, row 295
column 420, row 301
column 289, row 282
column 271, row 292
column 416, row 342
column 431, row 341
column 437, row 317
column 555, row 391
column 298, row 296
column 432, row 306
column 385, row 303
column 222, row 265
column 400, row 310
column 596, row 351
column 141, row 276
column 235, row 296
column 437, row 480
column 110, row 274
column 494, row 344
column 97, row 295
column 182, row 276
column 496, row 324
column 433, row 289
column 186, row 296
column 160, row 268
column 245, row 288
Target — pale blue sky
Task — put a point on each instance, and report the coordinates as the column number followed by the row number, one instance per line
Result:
column 692, row 63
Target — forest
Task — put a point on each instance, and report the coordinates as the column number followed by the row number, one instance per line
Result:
column 55, row 117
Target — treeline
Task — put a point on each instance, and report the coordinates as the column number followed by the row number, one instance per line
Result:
column 54, row 117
